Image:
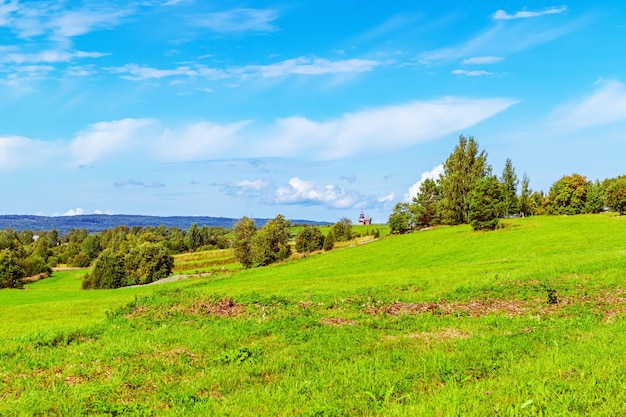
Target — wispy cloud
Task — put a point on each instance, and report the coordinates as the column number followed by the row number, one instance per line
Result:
column 48, row 56
column 308, row 66
column 502, row 38
column 382, row 129
column 245, row 188
column 303, row 66
column 525, row 14
column 33, row 19
column 131, row 182
column 239, row 21
column 107, row 138
column 474, row 73
column 20, row 152
column 482, row 60
column 199, row 141
column 607, row 104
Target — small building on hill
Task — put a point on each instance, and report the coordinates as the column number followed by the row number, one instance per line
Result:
column 364, row 221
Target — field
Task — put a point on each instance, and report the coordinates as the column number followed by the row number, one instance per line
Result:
column 526, row 320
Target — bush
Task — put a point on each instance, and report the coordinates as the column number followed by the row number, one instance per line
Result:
column 146, row 263
column 108, row 271
column 309, row 239
column 616, row 195
column 80, row 260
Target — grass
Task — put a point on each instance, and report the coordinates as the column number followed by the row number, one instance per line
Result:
column 526, row 320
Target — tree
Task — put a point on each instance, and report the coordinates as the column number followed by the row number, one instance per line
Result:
column 108, row 271
column 401, row 219
column 329, row 240
column 616, row 194
column 146, row 263
column 485, row 204
column 11, row 272
column 271, row 243
column 510, row 203
column 426, row 204
column 243, row 232
column 343, row 229
column 193, row 239
column 525, row 202
column 309, row 239
column 568, row 195
column 595, row 197
column 463, row 168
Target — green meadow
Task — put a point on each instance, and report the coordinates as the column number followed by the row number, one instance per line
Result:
column 525, row 320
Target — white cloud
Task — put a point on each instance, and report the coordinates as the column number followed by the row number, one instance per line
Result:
column 245, row 188
column 378, row 130
column 607, row 104
column 304, row 192
column 525, row 14
column 414, row 189
column 239, row 20
column 106, row 138
column 482, row 60
column 198, row 141
column 476, row 73
column 20, row 152
column 387, row 199
column 72, row 212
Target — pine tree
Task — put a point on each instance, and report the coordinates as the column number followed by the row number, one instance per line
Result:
column 486, row 204
column 525, row 202
column 463, row 168
column 510, row 202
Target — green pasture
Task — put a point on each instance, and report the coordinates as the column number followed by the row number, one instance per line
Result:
column 525, row 320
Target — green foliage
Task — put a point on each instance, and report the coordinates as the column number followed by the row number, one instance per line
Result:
column 485, row 204
column 329, row 241
column 146, row 263
column 271, row 243
column 11, row 272
column 343, row 230
column 426, row 204
column 244, row 232
column 568, row 195
column 80, row 260
column 510, row 203
column 595, row 198
column 401, row 219
column 463, row 168
column 309, row 239
column 526, row 204
column 616, row 194
column 108, row 271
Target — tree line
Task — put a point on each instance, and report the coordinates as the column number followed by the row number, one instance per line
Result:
column 467, row 192
column 120, row 255
column 271, row 243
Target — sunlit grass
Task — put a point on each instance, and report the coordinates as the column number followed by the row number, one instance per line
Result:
column 441, row 322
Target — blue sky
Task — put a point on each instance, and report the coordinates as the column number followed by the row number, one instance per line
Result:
column 312, row 109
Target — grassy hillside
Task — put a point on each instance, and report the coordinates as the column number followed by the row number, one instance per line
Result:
column 526, row 320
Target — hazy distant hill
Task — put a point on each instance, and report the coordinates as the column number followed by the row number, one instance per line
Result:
column 98, row 222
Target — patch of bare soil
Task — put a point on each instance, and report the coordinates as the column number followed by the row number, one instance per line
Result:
column 439, row 336
column 226, row 307
column 337, row 321
column 35, row 278
column 610, row 303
